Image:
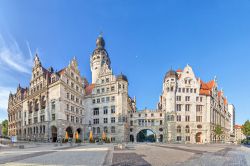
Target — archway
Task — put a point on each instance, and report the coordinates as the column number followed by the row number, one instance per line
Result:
column 69, row 130
column 79, row 131
column 54, row 133
column 131, row 138
column 198, row 137
column 161, row 138
column 146, row 135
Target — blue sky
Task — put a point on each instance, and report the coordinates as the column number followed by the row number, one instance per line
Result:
column 144, row 39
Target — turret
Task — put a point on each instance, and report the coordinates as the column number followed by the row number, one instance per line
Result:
column 99, row 58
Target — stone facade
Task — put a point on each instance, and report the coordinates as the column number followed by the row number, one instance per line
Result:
column 106, row 100
column 64, row 103
column 50, row 106
column 239, row 136
column 193, row 108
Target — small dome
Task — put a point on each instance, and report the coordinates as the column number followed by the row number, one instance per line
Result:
column 171, row 73
column 122, row 77
column 100, row 43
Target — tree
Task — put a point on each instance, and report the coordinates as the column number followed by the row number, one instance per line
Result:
column 246, row 128
column 5, row 127
column 218, row 131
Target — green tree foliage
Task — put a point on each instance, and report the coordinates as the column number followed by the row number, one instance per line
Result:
column 246, row 128
column 5, row 127
column 218, row 130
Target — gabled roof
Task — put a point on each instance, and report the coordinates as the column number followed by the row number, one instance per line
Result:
column 237, row 126
column 89, row 89
column 206, row 88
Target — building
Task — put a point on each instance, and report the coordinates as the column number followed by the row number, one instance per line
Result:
column 50, row 106
column 231, row 110
column 239, row 136
column 106, row 99
column 193, row 108
column 63, row 103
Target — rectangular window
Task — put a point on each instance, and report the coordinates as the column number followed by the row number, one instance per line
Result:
column 98, row 91
column 187, row 138
column 103, row 90
column 178, row 118
column 178, row 107
column 113, row 98
column 105, row 110
column 107, row 99
column 113, row 109
column 105, row 120
column 93, row 101
column 198, row 108
column 113, row 129
column 198, row 118
column 98, row 100
column 187, row 118
column 96, row 111
column 178, row 98
column 112, row 88
column 187, row 98
column 103, row 99
column 107, row 89
column 113, row 120
column 187, row 107
column 96, row 121
column 107, row 79
column 178, row 138
column 160, row 122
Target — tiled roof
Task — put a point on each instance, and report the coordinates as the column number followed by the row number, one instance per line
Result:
column 89, row 89
column 206, row 88
column 178, row 70
column 60, row 72
column 237, row 126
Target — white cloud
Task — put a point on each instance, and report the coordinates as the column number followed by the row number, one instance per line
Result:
column 4, row 96
column 12, row 57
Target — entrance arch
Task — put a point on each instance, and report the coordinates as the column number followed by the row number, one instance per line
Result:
column 79, row 131
column 198, row 137
column 131, row 138
column 161, row 138
column 146, row 135
column 69, row 130
column 54, row 133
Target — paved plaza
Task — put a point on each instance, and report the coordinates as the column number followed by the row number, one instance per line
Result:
column 133, row 154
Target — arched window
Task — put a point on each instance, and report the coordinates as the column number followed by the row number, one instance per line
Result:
column 178, row 129
column 187, row 129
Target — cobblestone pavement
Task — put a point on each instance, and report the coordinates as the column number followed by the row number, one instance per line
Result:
column 133, row 155
column 92, row 155
column 182, row 155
